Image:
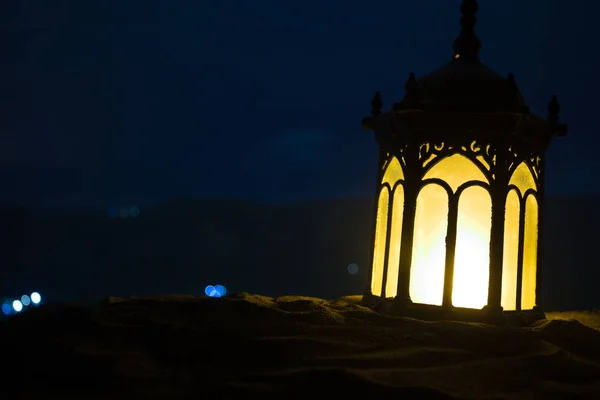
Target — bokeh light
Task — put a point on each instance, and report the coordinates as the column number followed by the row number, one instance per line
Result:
column 209, row 290
column 352, row 269
column 25, row 300
column 17, row 305
column 36, row 298
column 6, row 309
column 215, row 291
column 221, row 290
column 134, row 211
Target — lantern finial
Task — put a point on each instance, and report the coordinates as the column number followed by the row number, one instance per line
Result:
column 553, row 113
column 553, row 110
column 467, row 44
column 411, row 87
column 376, row 104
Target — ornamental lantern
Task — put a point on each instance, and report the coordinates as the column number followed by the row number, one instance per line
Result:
column 460, row 190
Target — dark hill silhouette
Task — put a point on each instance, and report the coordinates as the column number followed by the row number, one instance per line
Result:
column 304, row 248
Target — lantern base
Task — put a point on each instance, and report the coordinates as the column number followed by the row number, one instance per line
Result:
column 487, row 315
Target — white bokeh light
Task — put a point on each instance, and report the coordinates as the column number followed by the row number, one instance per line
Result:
column 36, row 298
column 17, row 305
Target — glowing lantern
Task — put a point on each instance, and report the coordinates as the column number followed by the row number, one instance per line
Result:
column 460, row 188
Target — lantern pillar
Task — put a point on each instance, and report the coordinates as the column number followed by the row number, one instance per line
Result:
column 406, row 245
column 498, row 194
column 450, row 250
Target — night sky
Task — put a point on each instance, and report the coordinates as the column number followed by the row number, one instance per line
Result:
column 137, row 102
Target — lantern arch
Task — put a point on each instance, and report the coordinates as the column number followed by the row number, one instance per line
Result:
column 519, row 269
column 472, row 250
column 454, row 195
column 522, row 179
column 388, row 230
column 455, row 170
column 393, row 173
column 510, row 258
column 530, row 251
column 429, row 245
column 381, row 223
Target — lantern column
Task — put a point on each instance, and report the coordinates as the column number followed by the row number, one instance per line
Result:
column 406, row 244
column 412, row 177
column 498, row 193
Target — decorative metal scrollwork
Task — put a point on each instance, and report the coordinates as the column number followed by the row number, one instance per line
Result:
column 517, row 156
column 401, row 155
column 513, row 155
column 535, row 162
column 485, row 154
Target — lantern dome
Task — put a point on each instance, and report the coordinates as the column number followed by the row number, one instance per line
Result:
column 465, row 83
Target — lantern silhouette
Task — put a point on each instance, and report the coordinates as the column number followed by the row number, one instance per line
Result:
column 460, row 189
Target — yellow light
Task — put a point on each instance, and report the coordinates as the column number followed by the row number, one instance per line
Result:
column 471, row 260
column 457, row 56
column 472, row 248
column 380, row 240
column 530, row 254
column 393, row 268
column 522, row 179
column 472, row 254
column 510, row 260
column 393, row 174
column 429, row 250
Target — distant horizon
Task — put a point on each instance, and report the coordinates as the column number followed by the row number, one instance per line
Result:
column 217, row 198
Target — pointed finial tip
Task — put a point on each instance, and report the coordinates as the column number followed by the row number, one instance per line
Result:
column 553, row 109
column 376, row 104
column 411, row 82
column 467, row 43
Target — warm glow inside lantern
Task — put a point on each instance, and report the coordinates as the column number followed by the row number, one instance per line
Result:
column 467, row 182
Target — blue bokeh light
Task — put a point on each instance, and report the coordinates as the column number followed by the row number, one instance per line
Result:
column 36, row 298
column 25, row 300
column 221, row 290
column 6, row 309
column 209, row 290
column 17, row 305
column 215, row 291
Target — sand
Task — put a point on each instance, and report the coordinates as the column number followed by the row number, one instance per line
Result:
column 288, row 348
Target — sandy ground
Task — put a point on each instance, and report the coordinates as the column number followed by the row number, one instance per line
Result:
column 174, row 347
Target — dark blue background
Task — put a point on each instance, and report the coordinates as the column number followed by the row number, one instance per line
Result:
column 134, row 102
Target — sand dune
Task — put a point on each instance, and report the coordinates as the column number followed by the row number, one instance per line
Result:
column 290, row 347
